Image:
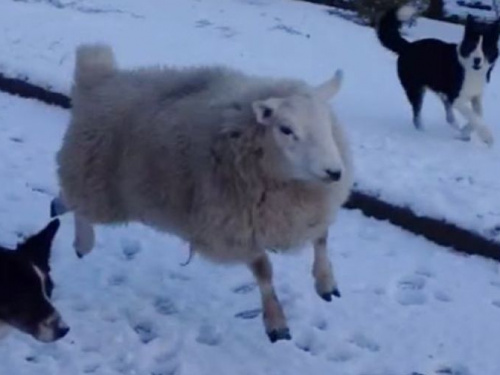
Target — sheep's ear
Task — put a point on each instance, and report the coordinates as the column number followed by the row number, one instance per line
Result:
column 330, row 88
column 264, row 110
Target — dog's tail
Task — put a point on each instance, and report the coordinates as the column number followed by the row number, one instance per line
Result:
column 94, row 62
column 388, row 30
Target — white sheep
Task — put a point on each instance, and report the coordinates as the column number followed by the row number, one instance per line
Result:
column 233, row 164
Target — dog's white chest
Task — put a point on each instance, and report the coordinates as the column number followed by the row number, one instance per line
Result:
column 474, row 82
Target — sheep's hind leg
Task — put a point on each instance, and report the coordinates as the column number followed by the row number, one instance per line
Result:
column 84, row 236
column 325, row 283
column 274, row 318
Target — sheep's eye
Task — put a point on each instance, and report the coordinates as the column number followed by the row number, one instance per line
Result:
column 286, row 130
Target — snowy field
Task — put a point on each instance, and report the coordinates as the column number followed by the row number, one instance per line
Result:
column 462, row 8
column 408, row 306
column 429, row 171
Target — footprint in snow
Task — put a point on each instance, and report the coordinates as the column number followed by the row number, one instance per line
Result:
column 496, row 303
column 164, row 306
column 425, row 272
column 91, row 368
column 341, row 355
column 178, row 276
column 202, row 23
column 209, row 334
column 146, row 332
column 165, row 359
column 227, row 32
column 363, row 342
column 17, row 139
column 442, row 296
column 410, row 290
column 248, row 314
column 309, row 342
column 320, row 323
column 117, row 279
column 130, row 248
column 32, row 359
column 495, row 283
column 162, row 369
column 245, row 288
column 456, row 369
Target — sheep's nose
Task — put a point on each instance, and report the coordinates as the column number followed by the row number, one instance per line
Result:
column 333, row 175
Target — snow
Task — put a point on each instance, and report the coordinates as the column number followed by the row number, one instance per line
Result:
column 430, row 171
column 478, row 8
column 408, row 307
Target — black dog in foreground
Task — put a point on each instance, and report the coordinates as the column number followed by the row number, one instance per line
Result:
column 26, row 288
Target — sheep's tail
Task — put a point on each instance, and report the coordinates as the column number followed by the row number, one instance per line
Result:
column 94, row 62
column 388, row 28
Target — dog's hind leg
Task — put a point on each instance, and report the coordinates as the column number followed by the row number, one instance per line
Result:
column 274, row 318
column 325, row 283
column 84, row 236
column 415, row 95
column 450, row 116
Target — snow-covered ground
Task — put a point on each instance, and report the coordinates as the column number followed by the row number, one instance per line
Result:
column 430, row 171
column 479, row 8
column 408, row 306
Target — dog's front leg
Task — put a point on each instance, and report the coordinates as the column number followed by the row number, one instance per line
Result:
column 475, row 123
column 274, row 318
column 477, row 105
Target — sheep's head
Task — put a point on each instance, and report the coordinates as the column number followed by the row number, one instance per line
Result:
column 301, row 127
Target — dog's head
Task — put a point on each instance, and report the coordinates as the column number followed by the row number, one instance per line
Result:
column 26, row 287
column 479, row 47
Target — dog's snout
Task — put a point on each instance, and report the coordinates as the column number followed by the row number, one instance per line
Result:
column 52, row 329
column 333, row 175
column 61, row 332
column 477, row 61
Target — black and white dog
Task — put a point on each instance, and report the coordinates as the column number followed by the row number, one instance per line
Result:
column 457, row 73
column 26, row 288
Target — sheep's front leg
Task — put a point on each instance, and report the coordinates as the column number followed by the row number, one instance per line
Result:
column 325, row 283
column 84, row 236
column 274, row 318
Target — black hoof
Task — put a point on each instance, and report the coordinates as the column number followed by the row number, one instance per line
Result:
column 80, row 256
column 279, row 334
column 328, row 296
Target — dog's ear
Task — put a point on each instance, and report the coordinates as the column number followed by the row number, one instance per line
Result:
column 470, row 25
column 38, row 247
